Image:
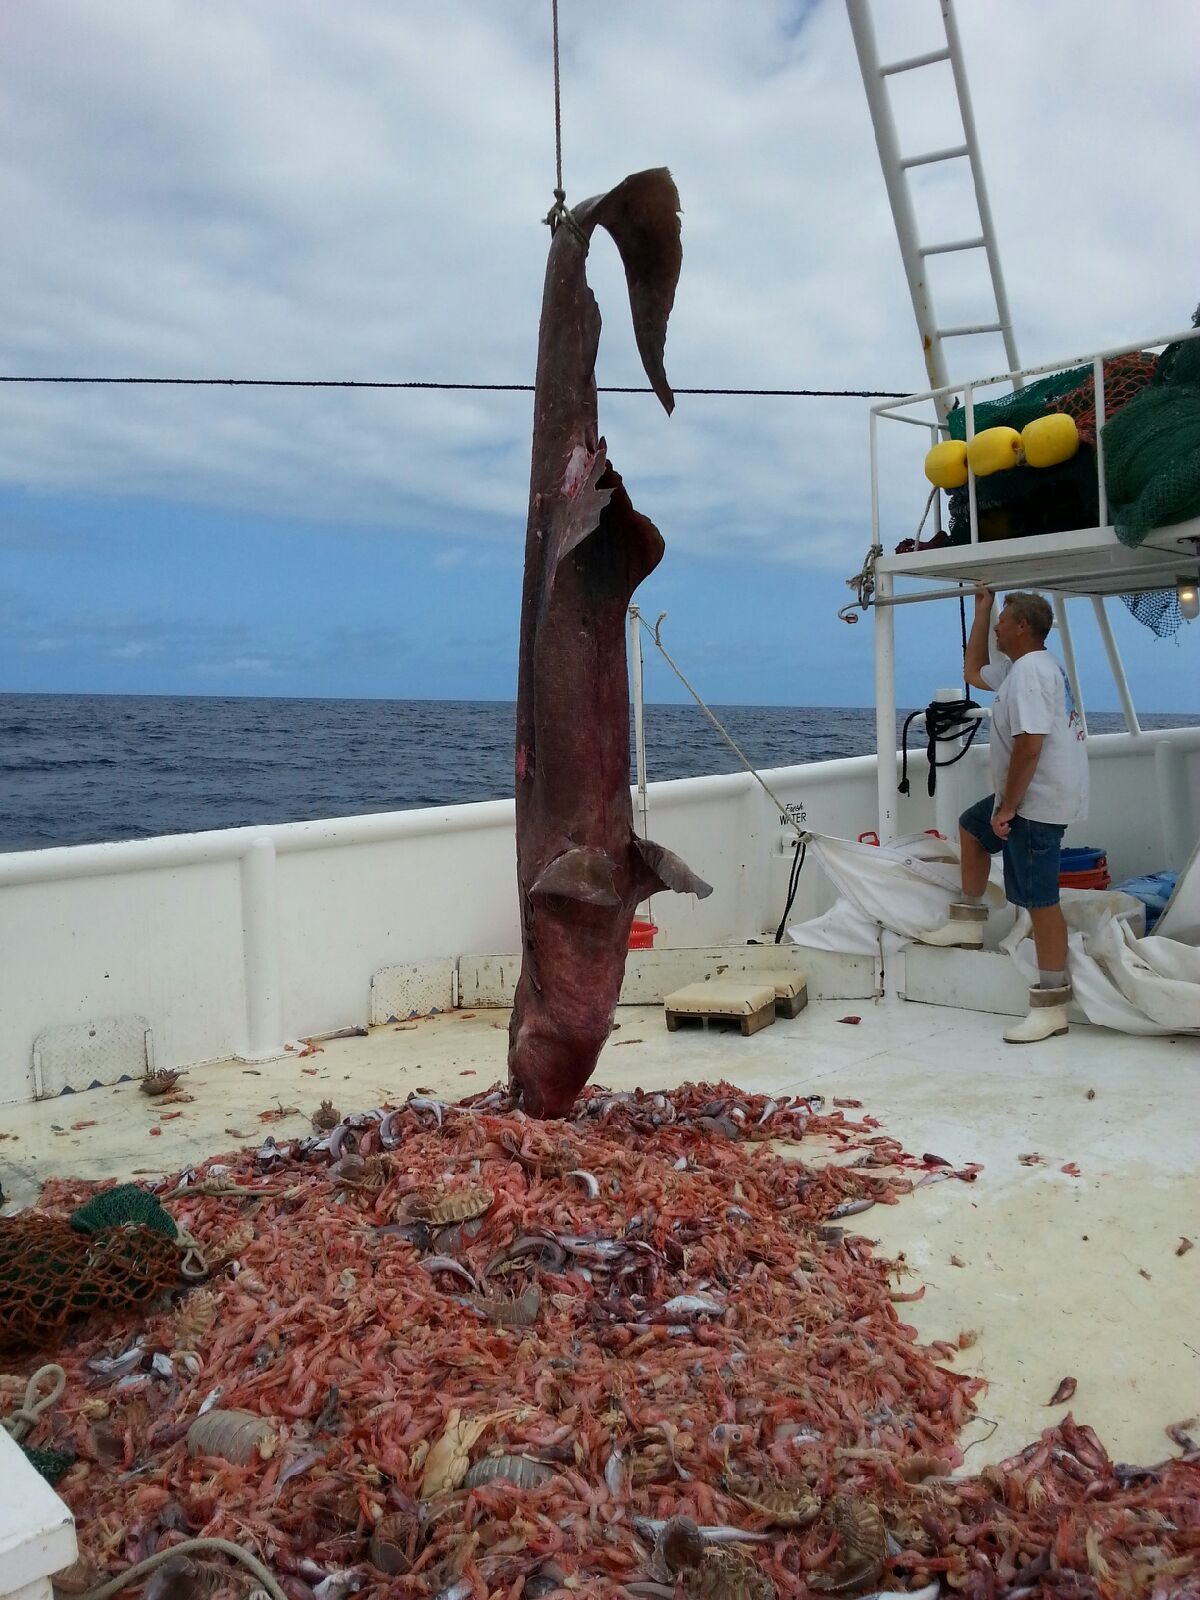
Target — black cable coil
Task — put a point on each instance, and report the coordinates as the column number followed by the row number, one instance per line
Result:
column 945, row 721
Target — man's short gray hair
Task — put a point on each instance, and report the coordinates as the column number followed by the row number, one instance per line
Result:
column 1031, row 608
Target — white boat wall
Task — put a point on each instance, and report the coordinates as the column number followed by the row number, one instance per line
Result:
column 201, row 947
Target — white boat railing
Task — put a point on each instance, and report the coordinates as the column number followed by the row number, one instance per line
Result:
column 234, row 942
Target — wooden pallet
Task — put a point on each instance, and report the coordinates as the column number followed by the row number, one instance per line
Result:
column 790, row 1000
column 748, row 1004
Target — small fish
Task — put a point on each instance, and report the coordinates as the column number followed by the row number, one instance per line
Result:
column 693, row 1305
column 420, row 1102
column 1177, row 1434
column 721, row 1534
column 730, row 1434
column 341, row 1583
column 851, row 1208
column 117, row 1366
column 598, row 1248
column 448, row 1264
column 1063, row 1393
column 297, row 1468
column 588, row 1180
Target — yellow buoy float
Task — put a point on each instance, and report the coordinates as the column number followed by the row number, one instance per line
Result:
column 1046, row 442
column 994, row 450
column 1049, row 441
column 946, row 464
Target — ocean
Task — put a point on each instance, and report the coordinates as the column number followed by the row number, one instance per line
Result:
column 79, row 769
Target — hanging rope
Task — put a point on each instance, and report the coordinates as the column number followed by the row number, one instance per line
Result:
column 656, row 634
column 558, row 211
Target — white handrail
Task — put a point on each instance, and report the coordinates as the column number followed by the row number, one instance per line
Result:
column 884, row 407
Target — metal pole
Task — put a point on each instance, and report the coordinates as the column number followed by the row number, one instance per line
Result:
column 921, row 595
column 639, row 713
column 898, row 196
column 972, row 502
column 1115, row 662
column 1068, row 650
column 885, row 707
column 967, row 112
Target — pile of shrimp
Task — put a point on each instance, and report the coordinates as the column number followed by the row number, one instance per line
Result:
column 493, row 1357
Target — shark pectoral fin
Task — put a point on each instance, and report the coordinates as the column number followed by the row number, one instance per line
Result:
column 582, row 505
column 667, row 871
column 642, row 214
column 580, row 874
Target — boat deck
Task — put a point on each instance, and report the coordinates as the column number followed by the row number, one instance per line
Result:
column 1060, row 1275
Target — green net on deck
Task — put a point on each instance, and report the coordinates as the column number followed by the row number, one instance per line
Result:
column 117, row 1252
column 126, row 1203
column 51, row 1464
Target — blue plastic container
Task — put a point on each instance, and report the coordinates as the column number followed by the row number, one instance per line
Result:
column 1081, row 858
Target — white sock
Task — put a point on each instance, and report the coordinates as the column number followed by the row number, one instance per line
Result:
column 1052, row 980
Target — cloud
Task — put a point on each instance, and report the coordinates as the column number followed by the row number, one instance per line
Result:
column 355, row 191
column 134, row 649
column 243, row 666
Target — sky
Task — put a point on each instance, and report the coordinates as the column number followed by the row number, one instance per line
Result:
column 217, row 188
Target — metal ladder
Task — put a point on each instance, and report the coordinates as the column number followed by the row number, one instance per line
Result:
column 896, row 168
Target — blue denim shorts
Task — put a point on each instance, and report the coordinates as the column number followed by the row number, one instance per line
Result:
column 1031, row 853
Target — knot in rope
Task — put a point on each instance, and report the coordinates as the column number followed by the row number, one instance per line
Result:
column 192, row 1265
column 863, row 583
column 560, row 212
column 28, row 1413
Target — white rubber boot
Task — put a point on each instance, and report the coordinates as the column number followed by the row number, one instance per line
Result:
column 964, row 930
column 1047, row 1017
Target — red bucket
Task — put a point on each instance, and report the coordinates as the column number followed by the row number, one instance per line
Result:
column 641, row 936
column 1097, row 878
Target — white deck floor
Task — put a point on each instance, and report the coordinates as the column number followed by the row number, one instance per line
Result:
column 1060, row 1275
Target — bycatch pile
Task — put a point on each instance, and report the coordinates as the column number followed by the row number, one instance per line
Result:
column 446, row 1350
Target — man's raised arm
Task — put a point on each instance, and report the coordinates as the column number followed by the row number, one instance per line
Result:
column 977, row 641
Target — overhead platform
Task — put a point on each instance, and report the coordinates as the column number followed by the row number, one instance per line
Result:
column 1086, row 561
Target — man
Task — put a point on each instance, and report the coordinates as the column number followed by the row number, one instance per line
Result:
column 1038, row 760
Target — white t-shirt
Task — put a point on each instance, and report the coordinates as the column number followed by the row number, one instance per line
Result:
column 1034, row 696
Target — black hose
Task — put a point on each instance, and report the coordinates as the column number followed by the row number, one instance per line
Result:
column 793, row 885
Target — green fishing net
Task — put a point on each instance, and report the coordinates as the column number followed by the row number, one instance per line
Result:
column 1152, row 452
column 1024, row 405
column 51, row 1464
column 126, row 1203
